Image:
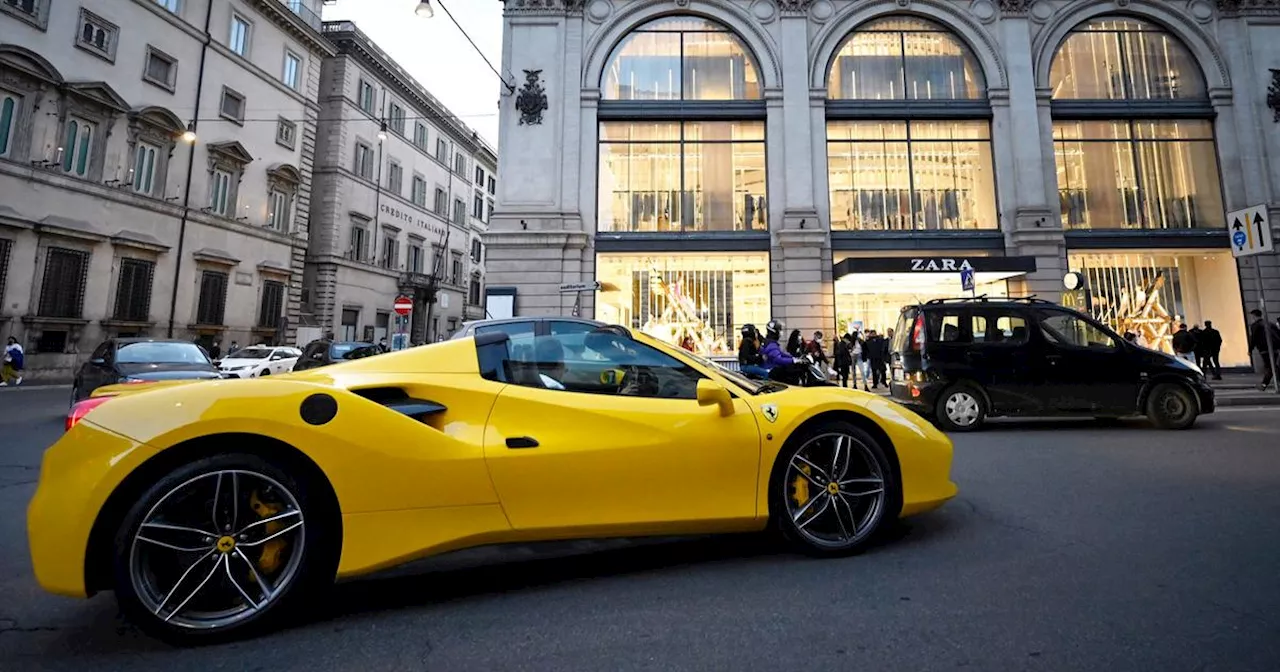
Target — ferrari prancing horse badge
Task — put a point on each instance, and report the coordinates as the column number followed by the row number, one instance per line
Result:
column 770, row 412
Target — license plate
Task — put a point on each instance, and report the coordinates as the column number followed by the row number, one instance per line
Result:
column 897, row 376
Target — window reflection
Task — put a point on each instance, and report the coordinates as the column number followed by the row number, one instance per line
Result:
column 911, row 175
column 1124, row 59
column 681, row 58
column 680, row 298
column 690, row 176
column 908, row 58
column 1137, row 174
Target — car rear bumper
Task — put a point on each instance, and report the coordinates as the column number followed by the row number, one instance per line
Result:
column 920, row 397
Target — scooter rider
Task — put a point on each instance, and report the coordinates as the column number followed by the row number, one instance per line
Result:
column 774, row 355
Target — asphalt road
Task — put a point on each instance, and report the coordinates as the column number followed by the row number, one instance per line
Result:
column 1071, row 547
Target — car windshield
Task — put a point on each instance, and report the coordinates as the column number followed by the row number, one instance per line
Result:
column 146, row 352
column 251, row 353
column 752, row 386
column 348, row 350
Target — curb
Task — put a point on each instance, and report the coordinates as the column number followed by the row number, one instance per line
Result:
column 1248, row 400
column 15, row 388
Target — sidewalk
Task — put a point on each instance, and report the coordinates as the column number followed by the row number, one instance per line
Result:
column 1235, row 389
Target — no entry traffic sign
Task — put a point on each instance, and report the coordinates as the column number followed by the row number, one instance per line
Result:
column 403, row 305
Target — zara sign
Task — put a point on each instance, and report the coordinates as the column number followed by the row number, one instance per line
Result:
column 941, row 264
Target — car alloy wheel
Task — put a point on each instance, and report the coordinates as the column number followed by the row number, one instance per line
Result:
column 217, row 549
column 834, row 490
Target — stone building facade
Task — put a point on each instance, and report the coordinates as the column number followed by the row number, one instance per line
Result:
column 717, row 162
column 155, row 170
column 405, row 193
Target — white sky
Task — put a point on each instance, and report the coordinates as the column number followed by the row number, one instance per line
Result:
column 435, row 52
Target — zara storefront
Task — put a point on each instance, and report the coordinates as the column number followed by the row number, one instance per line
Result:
column 711, row 163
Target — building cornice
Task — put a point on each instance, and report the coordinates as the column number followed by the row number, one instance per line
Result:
column 294, row 24
column 1249, row 7
column 546, row 7
column 350, row 41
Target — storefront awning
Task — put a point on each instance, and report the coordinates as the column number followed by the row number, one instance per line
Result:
column 1005, row 266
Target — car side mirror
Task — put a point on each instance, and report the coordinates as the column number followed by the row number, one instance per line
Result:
column 711, row 393
column 98, row 361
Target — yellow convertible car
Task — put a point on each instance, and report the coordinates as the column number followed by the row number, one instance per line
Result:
column 213, row 509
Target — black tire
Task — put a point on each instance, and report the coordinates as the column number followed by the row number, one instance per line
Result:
column 1172, row 406
column 316, row 548
column 265, row 372
column 969, row 413
column 781, row 487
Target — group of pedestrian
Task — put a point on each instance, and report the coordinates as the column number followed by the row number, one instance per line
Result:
column 868, row 355
column 1202, row 346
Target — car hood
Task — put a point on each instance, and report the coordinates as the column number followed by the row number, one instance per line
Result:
column 167, row 371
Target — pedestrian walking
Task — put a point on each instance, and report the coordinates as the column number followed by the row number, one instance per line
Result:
column 1184, row 344
column 14, row 361
column 843, row 357
column 879, row 361
column 1259, row 332
column 233, row 348
column 215, row 352
column 1210, row 343
column 863, row 359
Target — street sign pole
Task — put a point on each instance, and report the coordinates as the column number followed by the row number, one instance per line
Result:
column 1250, row 232
column 1266, row 328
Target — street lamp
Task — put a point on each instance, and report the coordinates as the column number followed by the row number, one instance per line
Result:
column 424, row 10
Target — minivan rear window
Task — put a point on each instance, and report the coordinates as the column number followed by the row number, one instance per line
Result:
column 902, row 334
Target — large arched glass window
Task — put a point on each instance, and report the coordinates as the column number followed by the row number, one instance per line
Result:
column 908, row 131
column 905, row 58
column 681, row 58
column 681, row 132
column 1133, row 130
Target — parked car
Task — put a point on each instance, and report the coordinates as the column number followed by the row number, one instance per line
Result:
column 325, row 352
column 259, row 360
column 141, row 360
column 962, row 361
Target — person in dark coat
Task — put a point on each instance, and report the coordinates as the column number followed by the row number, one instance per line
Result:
column 1208, row 348
column 795, row 344
column 750, row 361
column 814, row 348
column 1258, row 333
column 844, row 359
column 876, row 351
column 1184, row 344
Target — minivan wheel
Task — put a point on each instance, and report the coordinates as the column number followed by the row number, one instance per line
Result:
column 961, row 408
column 1171, row 407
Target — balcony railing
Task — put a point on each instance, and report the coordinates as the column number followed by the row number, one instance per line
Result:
column 416, row 280
column 309, row 17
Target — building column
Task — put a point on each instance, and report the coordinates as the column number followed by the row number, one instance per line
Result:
column 537, row 237
column 1025, row 171
column 800, row 255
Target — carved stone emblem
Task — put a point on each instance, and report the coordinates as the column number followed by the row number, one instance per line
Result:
column 532, row 99
column 1273, row 94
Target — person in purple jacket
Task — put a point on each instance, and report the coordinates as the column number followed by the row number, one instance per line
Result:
column 773, row 353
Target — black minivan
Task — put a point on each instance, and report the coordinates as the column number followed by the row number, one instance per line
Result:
column 960, row 361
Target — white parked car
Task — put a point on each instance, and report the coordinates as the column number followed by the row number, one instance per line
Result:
column 259, row 360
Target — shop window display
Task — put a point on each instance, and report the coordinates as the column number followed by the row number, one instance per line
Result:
column 1149, row 295
column 698, row 301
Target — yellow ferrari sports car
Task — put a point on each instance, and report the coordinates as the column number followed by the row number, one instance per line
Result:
column 213, row 509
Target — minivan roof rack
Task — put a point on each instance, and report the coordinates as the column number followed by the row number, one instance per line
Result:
column 985, row 299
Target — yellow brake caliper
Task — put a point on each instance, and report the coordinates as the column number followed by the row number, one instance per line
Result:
column 800, row 488
column 269, row 560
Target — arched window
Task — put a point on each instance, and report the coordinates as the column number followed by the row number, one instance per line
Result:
column 681, row 58
column 905, row 58
column 681, row 152
column 1133, row 130
column 908, row 131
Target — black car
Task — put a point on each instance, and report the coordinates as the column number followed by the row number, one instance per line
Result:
column 140, row 360
column 960, row 361
column 325, row 352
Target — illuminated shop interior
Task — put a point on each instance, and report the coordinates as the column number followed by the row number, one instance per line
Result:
column 704, row 297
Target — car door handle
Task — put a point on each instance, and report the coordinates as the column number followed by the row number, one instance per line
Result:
column 521, row 442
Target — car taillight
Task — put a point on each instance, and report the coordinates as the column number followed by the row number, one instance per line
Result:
column 917, row 334
column 82, row 408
